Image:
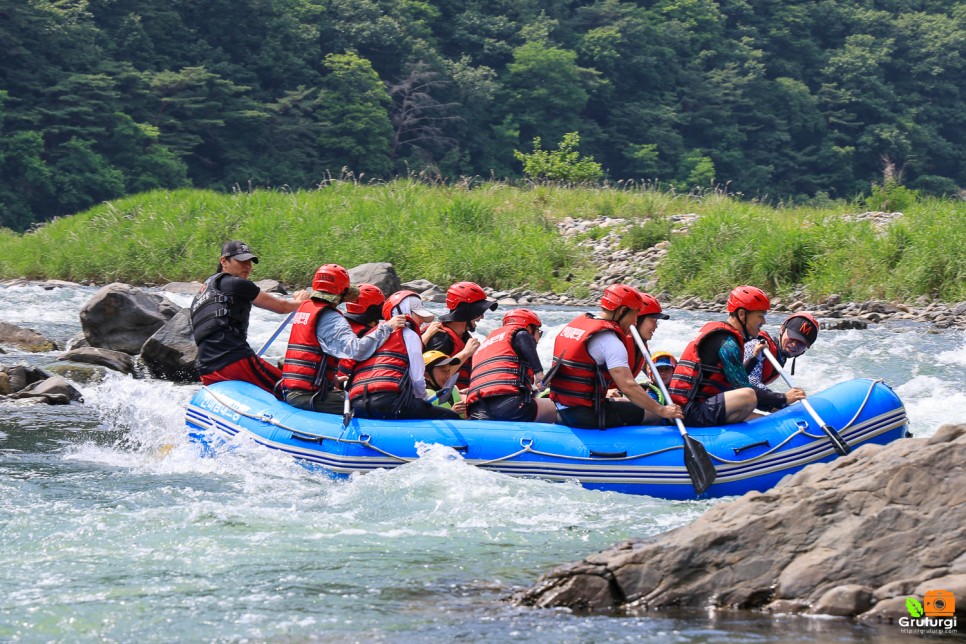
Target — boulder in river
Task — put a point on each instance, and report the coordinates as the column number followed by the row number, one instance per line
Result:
column 171, row 352
column 382, row 274
column 25, row 339
column 852, row 537
column 54, row 390
column 121, row 317
column 116, row 360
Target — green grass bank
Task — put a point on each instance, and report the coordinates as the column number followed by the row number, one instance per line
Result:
column 503, row 236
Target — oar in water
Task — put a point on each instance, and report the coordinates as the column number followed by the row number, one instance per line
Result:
column 288, row 318
column 696, row 458
column 836, row 439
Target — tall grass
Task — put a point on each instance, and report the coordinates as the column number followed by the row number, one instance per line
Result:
column 502, row 236
column 922, row 253
column 495, row 235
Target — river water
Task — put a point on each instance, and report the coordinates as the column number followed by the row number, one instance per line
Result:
column 113, row 528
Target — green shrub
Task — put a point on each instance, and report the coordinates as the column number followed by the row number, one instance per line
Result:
column 563, row 164
column 641, row 236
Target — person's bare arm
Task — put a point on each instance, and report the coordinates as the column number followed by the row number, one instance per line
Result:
column 277, row 304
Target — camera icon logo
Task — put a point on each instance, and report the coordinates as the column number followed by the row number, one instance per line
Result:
column 939, row 603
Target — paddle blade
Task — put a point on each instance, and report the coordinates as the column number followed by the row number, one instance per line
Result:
column 699, row 465
column 836, row 439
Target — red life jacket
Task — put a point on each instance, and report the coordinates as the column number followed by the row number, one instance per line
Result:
column 695, row 381
column 346, row 365
column 768, row 373
column 466, row 369
column 307, row 367
column 498, row 369
column 386, row 369
column 579, row 381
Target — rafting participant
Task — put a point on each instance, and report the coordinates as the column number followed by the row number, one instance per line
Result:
column 506, row 368
column 710, row 380
column 219, row 321
column 362, row 315
column 664, row 362
column 467, row 304
column 391, row 383
column 648, row 317
column 796, row 335
column 320, row 337
column 439, row 368
column 592, row 356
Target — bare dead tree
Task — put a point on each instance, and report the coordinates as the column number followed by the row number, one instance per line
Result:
column 418, row 117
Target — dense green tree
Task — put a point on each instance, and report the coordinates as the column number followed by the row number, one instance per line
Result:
column 354, row 110
column 546, row 91
column 782, row 99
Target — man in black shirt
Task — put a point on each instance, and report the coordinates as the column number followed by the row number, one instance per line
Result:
column 219, row 321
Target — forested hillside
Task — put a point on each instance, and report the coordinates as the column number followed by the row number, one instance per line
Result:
column 781, row 99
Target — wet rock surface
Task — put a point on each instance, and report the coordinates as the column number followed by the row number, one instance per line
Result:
column 25, row 339
column 114, row 360
column 122, row 317
column 171, row 353
column 22, row 382
column 850, row 538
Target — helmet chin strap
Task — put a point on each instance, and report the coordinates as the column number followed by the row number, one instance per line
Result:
column 744, row 324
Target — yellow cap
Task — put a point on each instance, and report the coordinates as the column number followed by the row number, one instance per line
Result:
column 438, row 359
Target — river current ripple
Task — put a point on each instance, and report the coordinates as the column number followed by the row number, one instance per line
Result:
column 113, row 528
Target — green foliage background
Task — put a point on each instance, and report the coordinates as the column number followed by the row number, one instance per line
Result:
column 780, row 101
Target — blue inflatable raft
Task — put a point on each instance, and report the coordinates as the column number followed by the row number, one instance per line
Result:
column 648, row 460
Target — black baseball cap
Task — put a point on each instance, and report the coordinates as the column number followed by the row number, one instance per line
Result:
column 238, row 250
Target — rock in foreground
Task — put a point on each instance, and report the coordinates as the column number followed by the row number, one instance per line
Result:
column 852, row 537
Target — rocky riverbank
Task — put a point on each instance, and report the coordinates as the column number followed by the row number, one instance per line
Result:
column 851, row 538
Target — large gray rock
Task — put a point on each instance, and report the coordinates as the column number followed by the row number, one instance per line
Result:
column 116, row 360
column 121, row 317
column 382, row 274
column 171, row 352
column 20, row 376
column 25, row 339
column 838, row 538
column 55, row 390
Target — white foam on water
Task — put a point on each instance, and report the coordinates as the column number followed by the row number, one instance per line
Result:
column 932, row 402
column 953, row 357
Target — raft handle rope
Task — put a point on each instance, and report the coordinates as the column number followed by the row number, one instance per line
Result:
column 802, row 429
column 526, row 444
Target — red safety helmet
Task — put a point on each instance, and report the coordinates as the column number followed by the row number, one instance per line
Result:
column 369, row 295
column 331, row 278
column 750, row 298
column 651, row 307
column 461, row 292
column 805, row 324
column 393, row 301
column 522, row 317
column 618, row 295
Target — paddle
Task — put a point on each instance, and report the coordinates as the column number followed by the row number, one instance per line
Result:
column 288, row 318
column 696, row 458
column 346, row 407
column 837, row 441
